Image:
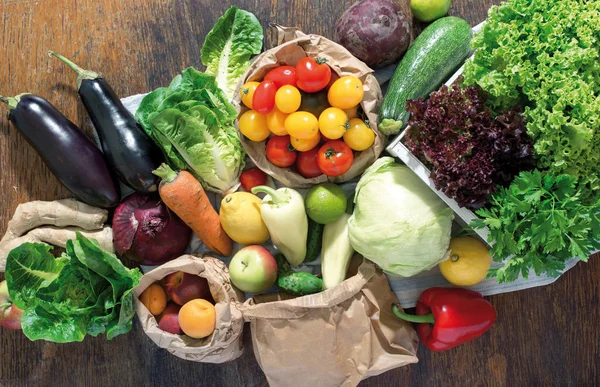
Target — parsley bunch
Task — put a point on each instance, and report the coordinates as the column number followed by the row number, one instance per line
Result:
column 539, row 222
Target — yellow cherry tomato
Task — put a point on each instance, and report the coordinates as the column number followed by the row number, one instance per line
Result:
column 254, row 126
column 346, row 92
column 287, row 99
column 247, row 93
column 305, row 145
column 359, row 137
column 276, row 122
column 333, row 122
column 352, row 112
column 302, row 125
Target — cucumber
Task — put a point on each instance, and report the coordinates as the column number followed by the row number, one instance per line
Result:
column 296, row 283
column 314, row 240
column 434, row 55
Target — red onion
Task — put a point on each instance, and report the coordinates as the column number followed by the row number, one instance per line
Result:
column 146, row 231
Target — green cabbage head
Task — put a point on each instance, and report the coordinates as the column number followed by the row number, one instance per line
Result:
column 398, row 221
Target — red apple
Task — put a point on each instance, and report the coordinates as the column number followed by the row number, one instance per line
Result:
column 169, row 319
column 182, row 287
column 253, row 269
column 10, row 315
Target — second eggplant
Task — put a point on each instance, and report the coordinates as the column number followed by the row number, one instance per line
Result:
column 129, row 151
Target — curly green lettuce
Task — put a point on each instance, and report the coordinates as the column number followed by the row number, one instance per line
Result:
column 545, row 56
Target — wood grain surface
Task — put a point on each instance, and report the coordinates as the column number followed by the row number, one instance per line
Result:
column 543, row 336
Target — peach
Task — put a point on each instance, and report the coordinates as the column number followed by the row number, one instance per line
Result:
column 154, row 299
column 182, row 287
column 169, row 319
column 198, row 318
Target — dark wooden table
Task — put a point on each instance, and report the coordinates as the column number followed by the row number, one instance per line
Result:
column 543, row 336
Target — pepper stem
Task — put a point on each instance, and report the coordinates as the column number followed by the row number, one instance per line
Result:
column 165, row 173
column 82, row 74
column 427, row 318
column 276, row 197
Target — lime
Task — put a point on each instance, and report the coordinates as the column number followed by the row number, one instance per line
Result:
column 429, row 10
column 325, row 203
column 468, row 263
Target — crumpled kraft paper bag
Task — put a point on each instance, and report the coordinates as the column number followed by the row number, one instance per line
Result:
column 294, row 45
column 334, row 338
column 225, row 343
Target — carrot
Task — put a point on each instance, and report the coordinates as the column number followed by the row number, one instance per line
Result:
column 184, row 195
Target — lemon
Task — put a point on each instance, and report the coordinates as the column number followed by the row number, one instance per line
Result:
column 468, row 263
column 325, row 203
column 241, row 219
column 429, row 10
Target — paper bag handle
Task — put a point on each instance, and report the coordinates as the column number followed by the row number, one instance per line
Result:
column 286, row 34
column 298, row 307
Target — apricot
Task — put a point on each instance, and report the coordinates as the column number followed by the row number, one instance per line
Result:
column 198, row 318
column 154, row 299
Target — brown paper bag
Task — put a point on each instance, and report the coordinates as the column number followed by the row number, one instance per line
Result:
column 225, row 343
column 334, row 338
column 294, row 45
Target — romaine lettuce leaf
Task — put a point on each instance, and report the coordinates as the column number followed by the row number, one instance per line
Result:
column 212, row 150
column 227, row 49
column 86, row 291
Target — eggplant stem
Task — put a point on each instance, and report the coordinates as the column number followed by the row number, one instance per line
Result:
column 82, row 74
column 68, row 62
column 3, row 99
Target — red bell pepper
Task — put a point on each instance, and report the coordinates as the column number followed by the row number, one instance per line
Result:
column 458, row 315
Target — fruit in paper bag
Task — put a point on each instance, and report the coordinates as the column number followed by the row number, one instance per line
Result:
column 183, row 287
column 198, row 318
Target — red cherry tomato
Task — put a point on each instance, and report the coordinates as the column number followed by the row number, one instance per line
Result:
column 334, row 77
column 312, row 74
column 280, row 151
column 335, row 158
column 281, row 76
column 307, row 163
column 264, row 97
column 252, row 177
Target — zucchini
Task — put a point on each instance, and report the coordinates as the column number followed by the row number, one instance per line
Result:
column 314, row 240
column 336, row 252
column 434, row 55
column 296, row 283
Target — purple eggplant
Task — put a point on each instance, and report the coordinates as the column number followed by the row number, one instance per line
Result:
column 71, row 156
column 130, row 152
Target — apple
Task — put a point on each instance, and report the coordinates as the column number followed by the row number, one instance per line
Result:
column 10, row 315
column 182, row 287
column 169, row 319
column 253, row 269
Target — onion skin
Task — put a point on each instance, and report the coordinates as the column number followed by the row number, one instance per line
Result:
column 146, row 231
column 374, row 31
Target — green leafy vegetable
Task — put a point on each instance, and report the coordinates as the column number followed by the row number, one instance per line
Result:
column 398, row 221
column 545, row 56
column 229, row 45
column 539, row 222
column 212, row 153
column 193, row 122
column 86, row 291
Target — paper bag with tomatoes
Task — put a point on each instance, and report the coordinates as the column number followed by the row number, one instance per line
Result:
column 198, row 281
column 334, row 338
column 307, row 111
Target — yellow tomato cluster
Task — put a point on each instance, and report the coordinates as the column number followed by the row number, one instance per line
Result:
column 339, row 121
